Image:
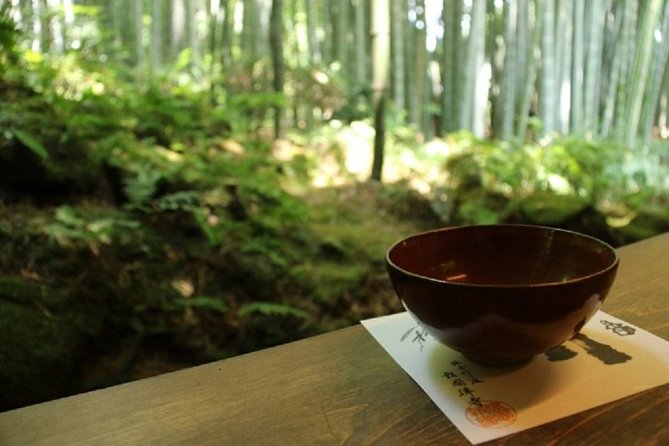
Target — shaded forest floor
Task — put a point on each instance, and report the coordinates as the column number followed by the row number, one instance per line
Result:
column 83, row 312
column 137, row 236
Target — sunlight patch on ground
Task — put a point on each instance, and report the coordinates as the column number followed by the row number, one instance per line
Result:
column 349, row 154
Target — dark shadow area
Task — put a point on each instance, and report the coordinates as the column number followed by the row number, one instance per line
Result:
column 560, row 353
column 604, row 352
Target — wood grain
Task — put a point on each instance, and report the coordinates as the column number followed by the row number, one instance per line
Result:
column 340, row 388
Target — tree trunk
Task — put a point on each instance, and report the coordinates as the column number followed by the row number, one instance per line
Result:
column 398, row 24
column 577, row 63
column 360, row 44
column 530, row 77
column 410, row 80
column 654, row 83
column 139, row 31
column 613, row 71
column 214, row 8
column 641, row 66
column 420, row 66
column 509, row 78
column 626, row 54
column 312, row 28
column 227, row 37
column 57, row 27
column 156, row 36
column 380, row 34
column 276, row 45
column 450, row 68
column 475, row 90
column 190, row 33
column 251, row 32
column 379, row 138
column 327, row 45
column 177, row 33
column 563, row 64
column 596, row 12
column 341, row 34
column 548, row 94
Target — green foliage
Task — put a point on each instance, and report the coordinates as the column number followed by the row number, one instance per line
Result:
column 30, row 142
column 211, row 303
column 9, row 36
column 563, row 183
column 170, row 115
column 271, row 309
column 162, row 193
column 72, row 224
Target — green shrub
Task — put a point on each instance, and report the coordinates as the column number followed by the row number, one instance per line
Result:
column 594, row 186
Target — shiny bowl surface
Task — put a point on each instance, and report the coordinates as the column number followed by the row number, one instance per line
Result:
column 501, row 294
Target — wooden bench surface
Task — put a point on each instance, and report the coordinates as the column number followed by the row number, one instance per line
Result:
column 339, row 388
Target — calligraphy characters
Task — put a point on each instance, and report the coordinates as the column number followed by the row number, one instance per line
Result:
column 483, row 413
column 420, row 336
column 463, row 380
column 618, row 328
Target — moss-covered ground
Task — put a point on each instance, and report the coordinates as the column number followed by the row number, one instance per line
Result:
column 80, row 311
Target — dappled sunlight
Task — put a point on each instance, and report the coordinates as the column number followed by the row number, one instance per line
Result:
column 347, row 158
column 422, row 167
column 357, row 141
column 68, row 77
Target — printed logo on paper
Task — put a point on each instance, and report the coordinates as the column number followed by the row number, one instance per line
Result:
column 491, row 414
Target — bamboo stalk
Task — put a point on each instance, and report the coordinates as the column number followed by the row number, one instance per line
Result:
column 654, row 83
column 577, row 63
column 531, row 77
column 626, row 55
column 471, row 104
column 548, row 92
column 596, row 12
column 509, row 79
column 641, row 69
column 614, row 72
column 449, row 66
column 563, row 64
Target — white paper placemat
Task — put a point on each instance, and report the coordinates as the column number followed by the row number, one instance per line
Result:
column 609, row 360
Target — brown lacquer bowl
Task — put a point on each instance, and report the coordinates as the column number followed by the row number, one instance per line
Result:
column 501, row 294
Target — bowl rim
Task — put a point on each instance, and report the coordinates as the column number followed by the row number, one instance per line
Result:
column 614, row 264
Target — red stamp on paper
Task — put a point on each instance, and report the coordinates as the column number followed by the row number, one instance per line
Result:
column 491, row 414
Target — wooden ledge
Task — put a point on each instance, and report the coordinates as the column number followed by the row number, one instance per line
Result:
column 338, row 388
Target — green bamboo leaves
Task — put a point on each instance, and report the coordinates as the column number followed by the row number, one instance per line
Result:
column 30, row 142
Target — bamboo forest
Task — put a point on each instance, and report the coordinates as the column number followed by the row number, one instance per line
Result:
column 183, row 181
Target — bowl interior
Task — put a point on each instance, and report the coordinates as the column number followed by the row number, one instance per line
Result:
column 502, row 255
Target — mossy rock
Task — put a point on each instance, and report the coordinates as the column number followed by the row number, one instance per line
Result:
column 546, row 208
column 45, row 333
column 22, row 291
column 648, row 222
column 38, row 354
column 482, row 207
